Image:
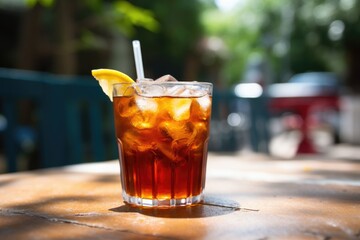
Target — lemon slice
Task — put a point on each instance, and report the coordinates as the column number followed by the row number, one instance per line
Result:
column 108, row 77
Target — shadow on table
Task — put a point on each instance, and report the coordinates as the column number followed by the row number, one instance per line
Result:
column 210, row 207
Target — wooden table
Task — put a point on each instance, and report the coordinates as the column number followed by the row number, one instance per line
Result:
column 246, row 197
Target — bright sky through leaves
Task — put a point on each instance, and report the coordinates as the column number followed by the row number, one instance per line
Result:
column 227, row 5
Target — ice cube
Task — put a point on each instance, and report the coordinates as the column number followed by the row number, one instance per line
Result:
column 199, row 136
column 176, row 91
column 172, row 130
column 147, row 105
column 193, row 136
column 204, row 102
column 200, row 108
column 145, row 117
column 136, row 141
column 179, row 108
column 150, row 89
column 127, row 108
column 181, row 139
column 188, row 90
column 143, row 120
column 166, row 78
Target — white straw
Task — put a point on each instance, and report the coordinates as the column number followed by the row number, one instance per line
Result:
column 138, row 60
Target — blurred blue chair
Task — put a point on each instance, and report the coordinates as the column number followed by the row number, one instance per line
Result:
column 239, row 122
column 74, row 119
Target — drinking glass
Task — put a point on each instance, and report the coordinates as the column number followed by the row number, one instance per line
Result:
column 162, row 132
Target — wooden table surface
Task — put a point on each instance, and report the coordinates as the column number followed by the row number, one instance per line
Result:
column 246, row 197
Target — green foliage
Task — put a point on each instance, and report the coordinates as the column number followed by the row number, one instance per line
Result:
column 118, row 15
column 322, row 33
column 239, row 30
column 293, row 36
column 45, row 3
column 167, row 50
column 128, row 16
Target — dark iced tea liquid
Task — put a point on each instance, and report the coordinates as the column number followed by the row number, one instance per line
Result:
column 162, row 148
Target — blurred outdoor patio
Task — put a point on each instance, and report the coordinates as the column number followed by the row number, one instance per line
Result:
column 285, row 74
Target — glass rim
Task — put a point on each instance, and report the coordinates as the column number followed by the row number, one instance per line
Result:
column 195, row 83
column 200, row 88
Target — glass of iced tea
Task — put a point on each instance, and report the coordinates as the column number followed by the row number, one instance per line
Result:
column 162, row 131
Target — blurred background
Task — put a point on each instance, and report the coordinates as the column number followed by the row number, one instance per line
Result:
column 286, row 73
